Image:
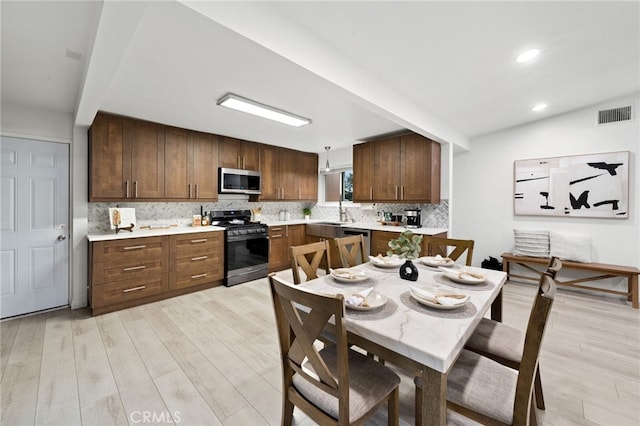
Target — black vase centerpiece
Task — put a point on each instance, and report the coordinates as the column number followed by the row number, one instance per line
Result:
column 408, row 271
column 407, row 246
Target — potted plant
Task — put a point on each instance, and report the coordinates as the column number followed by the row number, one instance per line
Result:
column 406, row 246
column 306, row 211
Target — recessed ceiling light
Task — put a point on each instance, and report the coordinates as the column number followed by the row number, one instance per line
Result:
column 261, row 110
column 539, row 107
column 527, row 55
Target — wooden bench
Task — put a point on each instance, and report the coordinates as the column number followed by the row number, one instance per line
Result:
column 600, row 271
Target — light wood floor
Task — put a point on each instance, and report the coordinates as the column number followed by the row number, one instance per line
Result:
column 212, row 358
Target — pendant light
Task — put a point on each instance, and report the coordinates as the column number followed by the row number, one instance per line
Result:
column 326, row 166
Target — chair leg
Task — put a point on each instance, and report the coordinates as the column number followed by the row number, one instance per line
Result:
column 533, row 418
column 394, row 408
column 287, row 410
column 537, row 385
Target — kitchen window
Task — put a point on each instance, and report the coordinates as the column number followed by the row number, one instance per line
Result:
column 338, row 186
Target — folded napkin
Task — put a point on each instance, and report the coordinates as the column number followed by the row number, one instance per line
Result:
column 347, row 274
column 384, row 260
column 462, row 274
column 442, row 299
column 357, row 299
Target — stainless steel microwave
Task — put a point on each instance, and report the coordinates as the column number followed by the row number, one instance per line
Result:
column 237, row 181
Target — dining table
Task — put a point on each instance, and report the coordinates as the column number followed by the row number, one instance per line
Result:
column 420, row 338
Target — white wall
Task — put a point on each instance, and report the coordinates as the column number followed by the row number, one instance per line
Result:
column 482, row 199
column 40, row 124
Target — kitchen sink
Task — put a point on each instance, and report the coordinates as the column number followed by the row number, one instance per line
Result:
column 324, row 229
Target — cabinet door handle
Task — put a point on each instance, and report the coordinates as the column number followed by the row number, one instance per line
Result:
column 126, row 189
column 243, row 162
column 238, row 162
column 396, row 192
column 371, row 192
column 202, row 240
column 193, row 277
column 189, row 185
column 134, row 247
column 196, row 190
column 199, row 258
column 127, row 290
column 135, row 189
column 402, row 192
column 134, row 268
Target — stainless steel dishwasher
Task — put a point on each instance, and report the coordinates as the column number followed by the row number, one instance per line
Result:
column 366, row 236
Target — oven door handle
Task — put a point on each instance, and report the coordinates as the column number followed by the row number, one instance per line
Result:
column 245, row 237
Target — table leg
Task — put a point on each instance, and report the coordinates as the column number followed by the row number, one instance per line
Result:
column 633, row 288
column 496, row 308
column 434, row 398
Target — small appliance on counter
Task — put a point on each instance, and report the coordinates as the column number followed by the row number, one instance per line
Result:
column 413, row 218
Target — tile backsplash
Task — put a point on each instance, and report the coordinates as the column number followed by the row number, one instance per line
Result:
column 148, row 213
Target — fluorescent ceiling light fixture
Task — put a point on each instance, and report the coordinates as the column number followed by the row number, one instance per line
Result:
column 527, row 55
column 539, row 107
column 265, row 111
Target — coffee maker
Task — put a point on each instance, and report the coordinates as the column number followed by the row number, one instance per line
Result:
column 413, row 218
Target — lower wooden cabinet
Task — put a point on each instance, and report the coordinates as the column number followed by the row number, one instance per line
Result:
column 281, row 237
column 196, row 259
column 133, row 271
column 380, row 242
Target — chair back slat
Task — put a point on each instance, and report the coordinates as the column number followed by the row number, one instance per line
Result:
column 441, row 246
column 309, row 257
column 351, row 250
column 299, row 331
column 532, row 343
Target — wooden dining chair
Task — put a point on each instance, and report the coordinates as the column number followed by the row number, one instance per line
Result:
column 309, row 257
column 492, row 393
column 505, row 344
column 333, row 385
column 351, row 250
column 449, row 247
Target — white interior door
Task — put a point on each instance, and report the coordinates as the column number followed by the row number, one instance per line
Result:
column 34, row 220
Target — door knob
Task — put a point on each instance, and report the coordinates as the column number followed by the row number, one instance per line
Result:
column 62, row 237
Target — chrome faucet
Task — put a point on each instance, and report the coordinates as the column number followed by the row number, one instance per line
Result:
column 343, row 212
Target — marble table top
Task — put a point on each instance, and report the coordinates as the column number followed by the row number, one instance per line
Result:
column 429, row 336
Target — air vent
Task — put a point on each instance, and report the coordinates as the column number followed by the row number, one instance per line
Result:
column 614, row 115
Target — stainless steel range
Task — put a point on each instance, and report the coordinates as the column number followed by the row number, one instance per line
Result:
column 246, row 255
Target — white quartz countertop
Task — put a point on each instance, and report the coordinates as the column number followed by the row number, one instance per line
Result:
column 372, row 226
column 154, row 232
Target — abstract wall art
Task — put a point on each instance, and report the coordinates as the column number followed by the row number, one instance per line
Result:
column 593, row 185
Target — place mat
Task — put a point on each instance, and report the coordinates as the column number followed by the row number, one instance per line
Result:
column 487, row 285
column 467, row 311
column 369, row 282
column 382, row 312
column 370, row 266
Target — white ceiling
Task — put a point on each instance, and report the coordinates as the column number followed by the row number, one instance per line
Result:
column 357, row 69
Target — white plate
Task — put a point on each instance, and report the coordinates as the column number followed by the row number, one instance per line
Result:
column 436, row 261
column 348, row 276
column 386, row 261
column 432, row 304
column 459, row 276
column 373, row 301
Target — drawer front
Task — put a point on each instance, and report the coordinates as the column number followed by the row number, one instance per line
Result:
column 109, row 273
column 123, row 291
column 195, row 245
column 198, row 265
column 196, row 274
column 134, row 251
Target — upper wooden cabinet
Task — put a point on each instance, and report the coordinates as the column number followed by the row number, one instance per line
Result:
column 126, row 159
column 239, row 154
column 288, row 174
column 402, row 169
column 191, row 165
column 136, row 160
